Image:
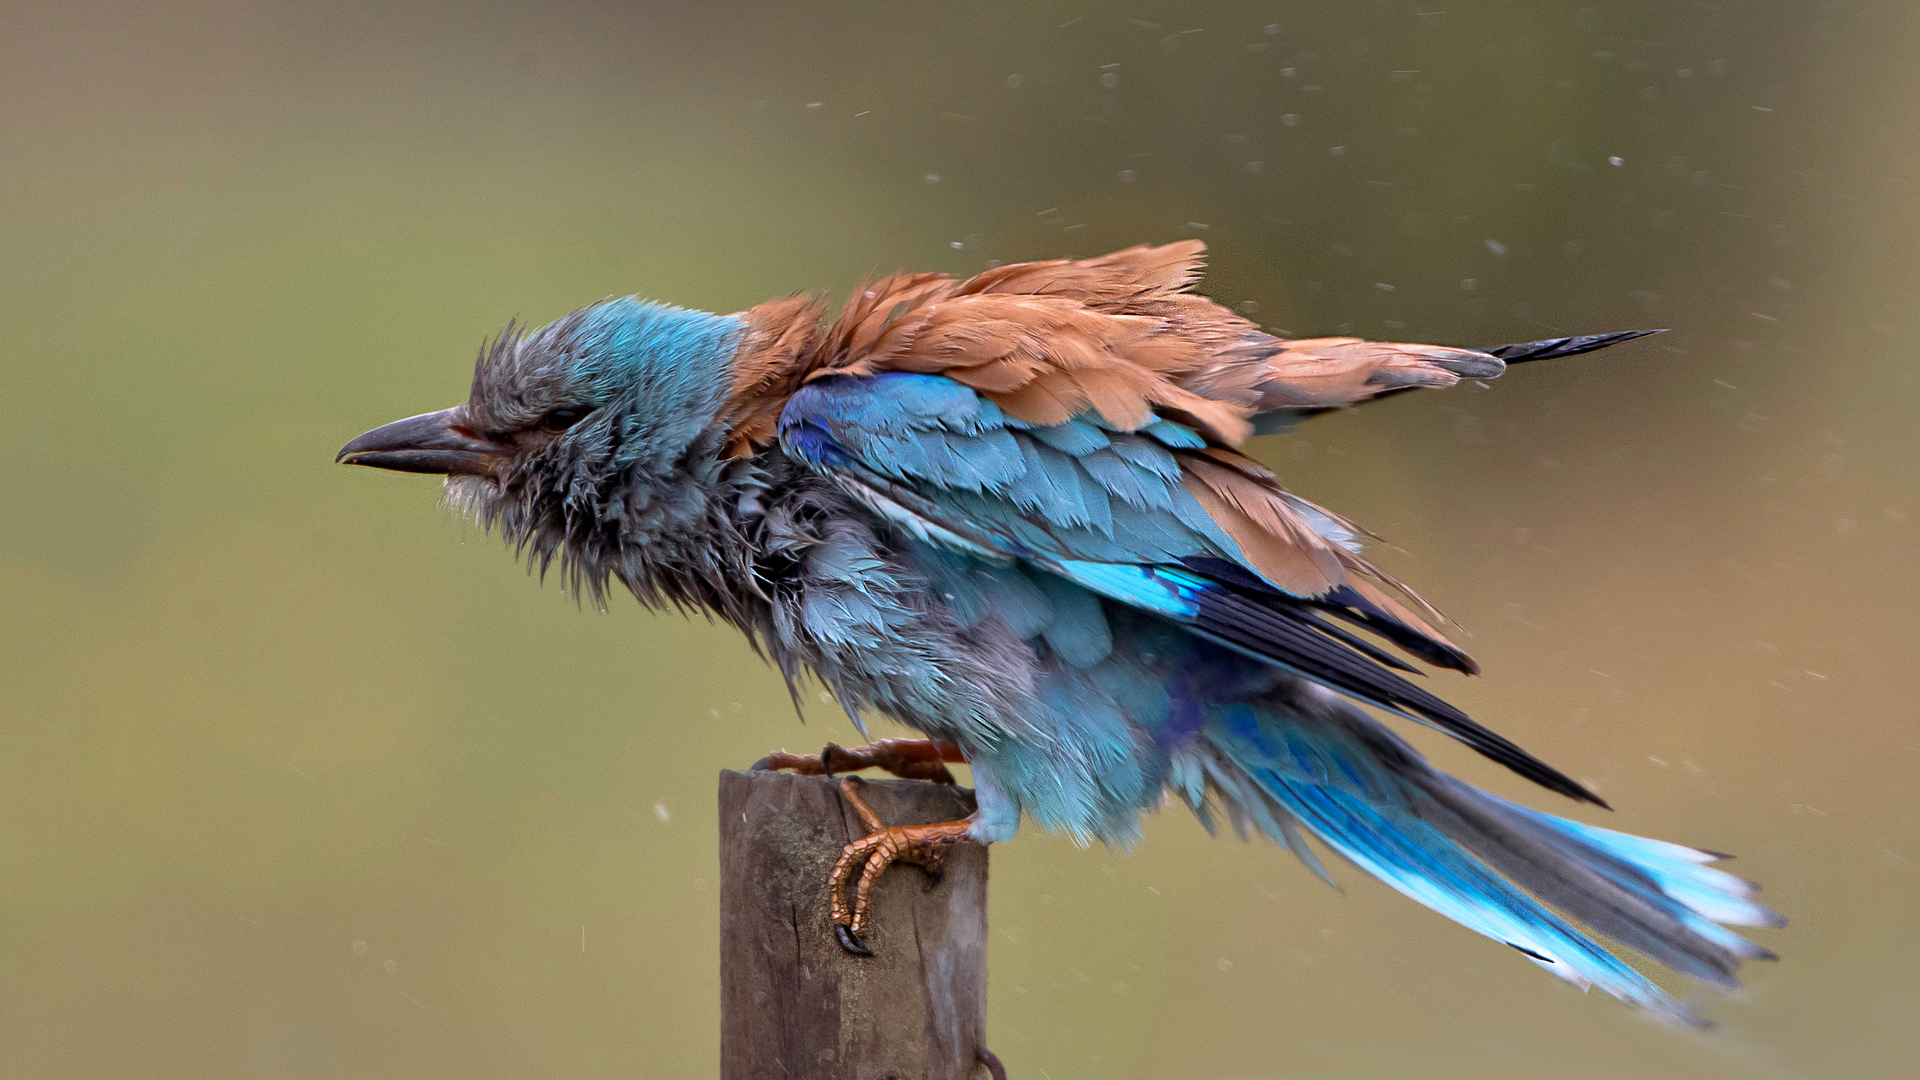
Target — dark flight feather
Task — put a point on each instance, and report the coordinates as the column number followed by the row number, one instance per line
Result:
column 1554, row 348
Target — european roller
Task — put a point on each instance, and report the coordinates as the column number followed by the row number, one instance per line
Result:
column 1014, row 513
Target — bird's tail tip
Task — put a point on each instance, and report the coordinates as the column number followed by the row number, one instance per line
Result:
column 1552, row 888
column 1684, row 874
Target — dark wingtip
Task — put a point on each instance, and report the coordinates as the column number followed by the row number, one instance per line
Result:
column 1554, row 780
column 1552, row 348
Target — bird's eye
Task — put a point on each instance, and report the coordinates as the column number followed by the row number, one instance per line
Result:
column 562, row 418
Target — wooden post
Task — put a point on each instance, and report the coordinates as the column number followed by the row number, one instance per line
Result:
column 793, row 1004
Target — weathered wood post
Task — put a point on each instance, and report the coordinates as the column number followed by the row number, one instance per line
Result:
column 793, row 1004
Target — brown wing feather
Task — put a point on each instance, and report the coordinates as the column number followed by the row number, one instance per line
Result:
column 1109, row 280
column 1273, row 537
column 1238, row 364
column 1120, row 329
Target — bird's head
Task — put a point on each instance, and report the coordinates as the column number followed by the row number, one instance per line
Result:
column 577, row 438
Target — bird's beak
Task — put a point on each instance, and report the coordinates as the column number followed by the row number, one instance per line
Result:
column 430, row 443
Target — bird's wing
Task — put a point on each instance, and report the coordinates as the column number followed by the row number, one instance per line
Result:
column 1120, row 336
column 1141, row 508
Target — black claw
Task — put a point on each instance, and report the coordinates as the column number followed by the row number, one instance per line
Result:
column 850, row 941
column 826, row 758
column 991, row 1061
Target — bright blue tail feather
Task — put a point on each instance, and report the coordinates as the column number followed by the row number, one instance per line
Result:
column 1493, row 866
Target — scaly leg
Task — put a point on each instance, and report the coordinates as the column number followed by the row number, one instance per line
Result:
column 883, row 846
column 910, row 759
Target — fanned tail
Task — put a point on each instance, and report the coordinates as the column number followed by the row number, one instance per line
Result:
column 1516, row 875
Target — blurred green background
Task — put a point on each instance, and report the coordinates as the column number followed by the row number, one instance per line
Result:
column 302, row 778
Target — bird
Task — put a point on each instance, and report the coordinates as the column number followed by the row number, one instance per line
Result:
column 1015, row 513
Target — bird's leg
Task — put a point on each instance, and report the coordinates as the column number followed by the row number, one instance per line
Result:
column 883, row 846
column 911, row 759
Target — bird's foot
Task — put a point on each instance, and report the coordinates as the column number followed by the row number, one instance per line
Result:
column 883, row 846
column 910, row 759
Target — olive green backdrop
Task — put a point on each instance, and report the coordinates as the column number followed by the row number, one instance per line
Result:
column 300, row 777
